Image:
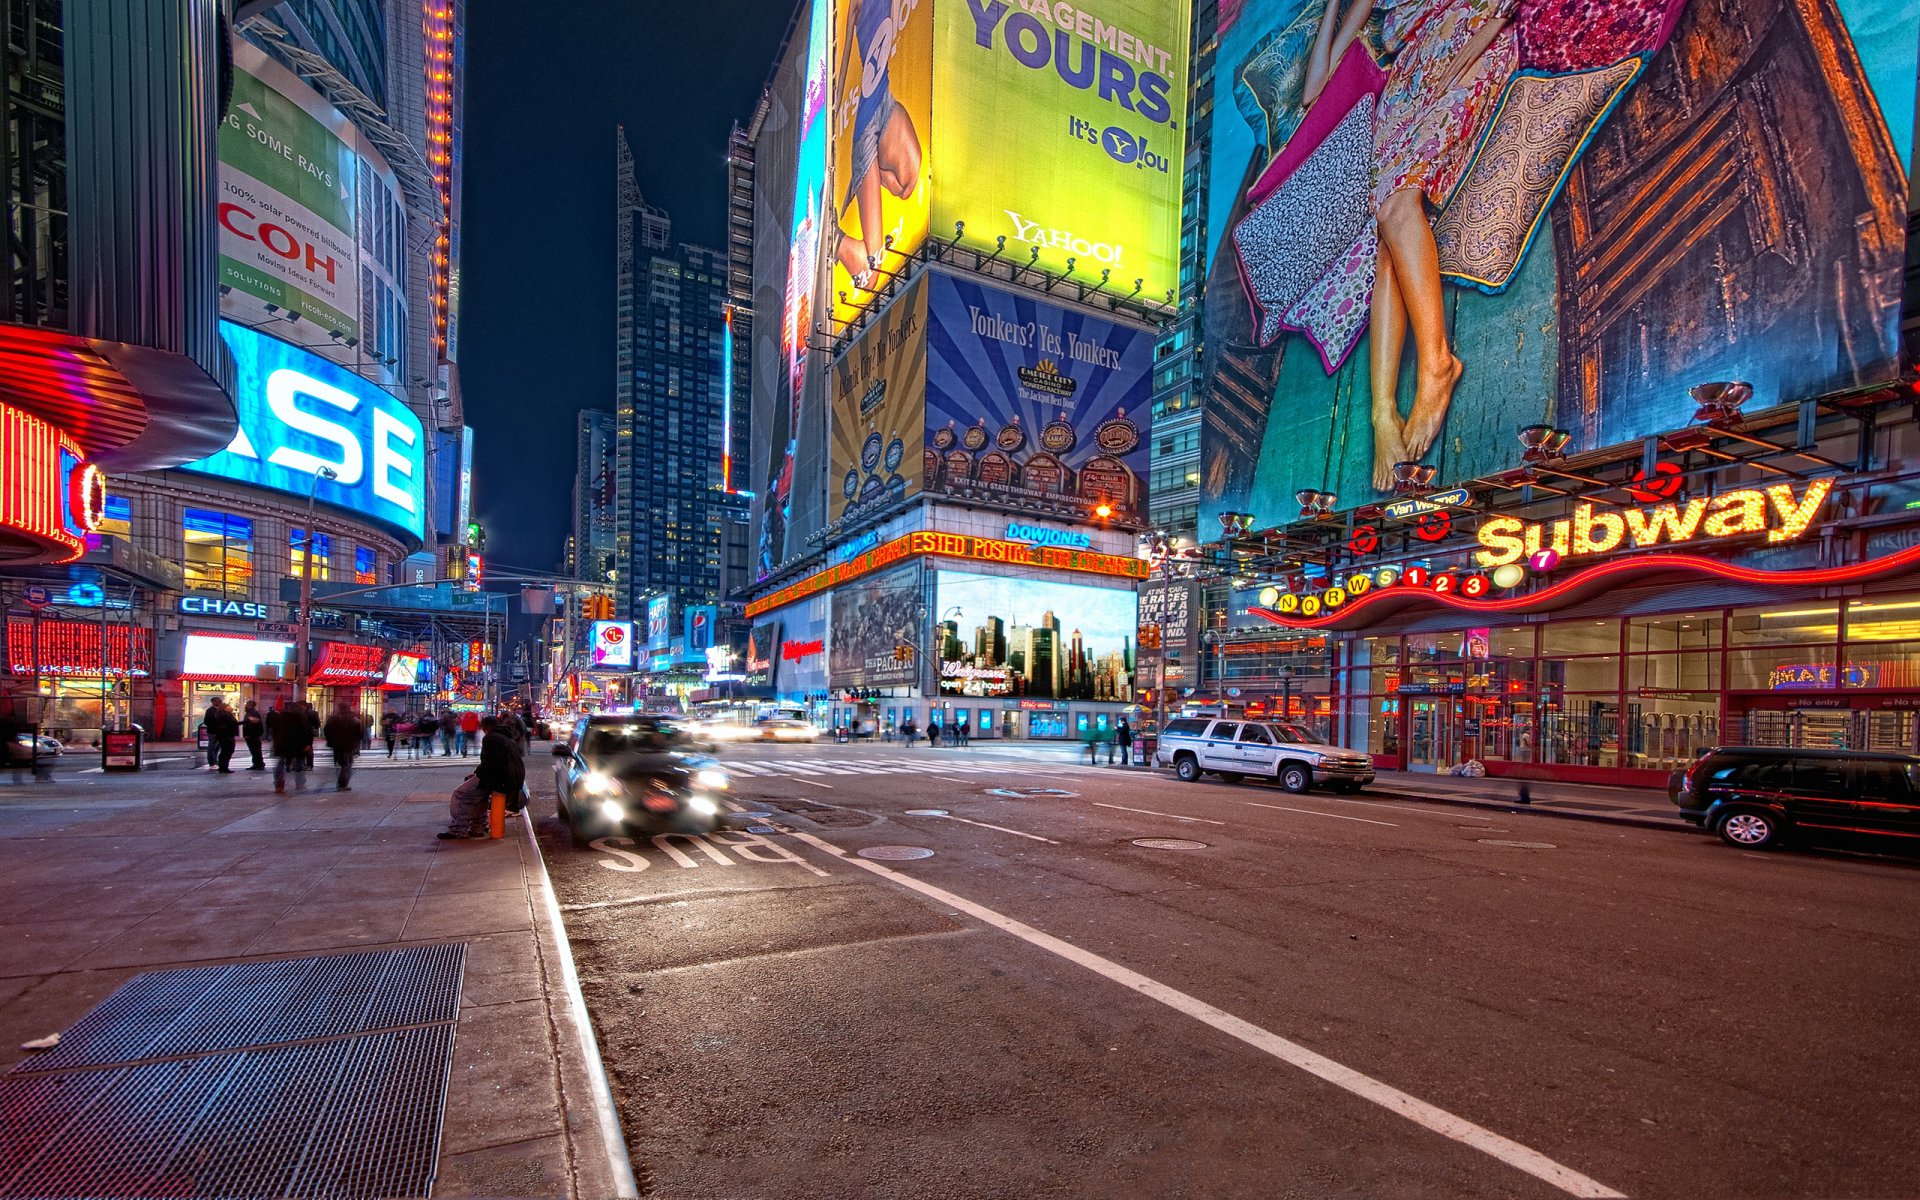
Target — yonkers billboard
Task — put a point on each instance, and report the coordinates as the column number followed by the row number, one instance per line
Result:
column 1029, row 401
column 879, row 627
column 879, row 409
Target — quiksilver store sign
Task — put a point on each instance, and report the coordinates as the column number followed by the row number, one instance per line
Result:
column 219, row 606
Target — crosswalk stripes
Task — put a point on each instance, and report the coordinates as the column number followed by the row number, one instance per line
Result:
column 974, row 765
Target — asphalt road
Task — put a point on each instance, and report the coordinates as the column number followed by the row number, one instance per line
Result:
column 1325, row 997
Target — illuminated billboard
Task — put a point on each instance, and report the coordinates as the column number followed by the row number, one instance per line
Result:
column 878, row 630
column 1006, row 636
column 299, row 413
column 610, row 646
column 1061, row 128
column 1611, row 203
column 879, row 410
column 288, row 199
column 1031, row 402
column 659, row 623
column 882, row 84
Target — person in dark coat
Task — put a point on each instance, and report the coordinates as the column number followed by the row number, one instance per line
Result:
column 252, row 729
column 344, row 732
column 501, row 769
column 389, row 725
column 292, row 746
column 222, row 730
column 449, row 731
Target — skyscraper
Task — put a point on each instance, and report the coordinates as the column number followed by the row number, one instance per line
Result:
column 671, row 505
column 591, row 550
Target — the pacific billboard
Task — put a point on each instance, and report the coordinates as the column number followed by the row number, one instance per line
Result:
column 1431, row 229
column 880, row 410
column 882, row 100
column 299, row 413
column 1007, row 636
column 1061, row 128
column 1031, row 402
column 878, row 630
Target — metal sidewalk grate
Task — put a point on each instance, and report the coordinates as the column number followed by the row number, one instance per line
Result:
column 351, row 1110
column 201, row 1010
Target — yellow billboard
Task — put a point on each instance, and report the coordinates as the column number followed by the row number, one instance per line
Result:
column 880, row 411
column 1060, row 137
column 882, row 98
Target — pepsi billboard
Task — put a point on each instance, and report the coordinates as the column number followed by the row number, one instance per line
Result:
column 299, row 413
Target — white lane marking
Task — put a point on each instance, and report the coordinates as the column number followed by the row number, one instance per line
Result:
column 1427, row 1116
column 801, row 769
column 951, row 779
column 1311, row 813
column 746, row 767
column 815, row 783
column 1002, row 828
column 1151, row 813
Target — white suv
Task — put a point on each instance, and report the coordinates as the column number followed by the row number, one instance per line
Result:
column 1279, row 750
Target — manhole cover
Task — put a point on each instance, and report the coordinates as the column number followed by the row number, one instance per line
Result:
column 1169, row 844
column 750, row 816
column 926, row 812
column 761, row 829
column 1031, row 793
column 1519, row 845
column 895, row 853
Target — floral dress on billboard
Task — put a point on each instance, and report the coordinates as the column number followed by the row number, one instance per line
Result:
column 1424, row 128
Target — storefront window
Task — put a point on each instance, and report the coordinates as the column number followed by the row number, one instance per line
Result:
column 322, row 554
column 365, row 565
column 1781, row 669
column 1698, row 671
column 1592, row 674
column 1580, row 730
column 219, row 553
column 1512, row 641
column 1883, row 620
column 1881, row 665
column 1668, row 732
column 1783, row 625
column 117, row 520
column 1561, row 638
column 1673, row 633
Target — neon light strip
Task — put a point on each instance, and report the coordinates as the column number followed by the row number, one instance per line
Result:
column 726, row 401
column 42, row 470
column 1565, row 590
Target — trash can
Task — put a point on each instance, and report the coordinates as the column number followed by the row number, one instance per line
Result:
column 120, row 750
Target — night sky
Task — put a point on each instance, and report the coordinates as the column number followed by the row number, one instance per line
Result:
column 537, row 270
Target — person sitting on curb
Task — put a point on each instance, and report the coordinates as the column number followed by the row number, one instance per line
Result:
column 501, row 769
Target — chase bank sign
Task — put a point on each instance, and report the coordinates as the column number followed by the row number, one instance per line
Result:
column 218, row 606
column 300, row 413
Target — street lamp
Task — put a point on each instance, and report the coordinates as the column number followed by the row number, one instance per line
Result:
column 1286, row 693
column 306, row 583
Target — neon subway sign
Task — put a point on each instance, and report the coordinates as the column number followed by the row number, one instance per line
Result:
column 1774, row 511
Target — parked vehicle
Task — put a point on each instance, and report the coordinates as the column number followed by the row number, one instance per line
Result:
column 619, row 774
column 1760, row 796
column 1277, row 750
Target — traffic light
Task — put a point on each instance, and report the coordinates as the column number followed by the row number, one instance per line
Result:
column 597, row 608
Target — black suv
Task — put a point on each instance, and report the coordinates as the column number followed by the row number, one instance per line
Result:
column 1758, row 796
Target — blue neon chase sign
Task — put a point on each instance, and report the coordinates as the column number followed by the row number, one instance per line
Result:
column 299, row 412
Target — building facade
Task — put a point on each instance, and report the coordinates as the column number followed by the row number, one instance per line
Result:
column 591, row 546
column 674, row 358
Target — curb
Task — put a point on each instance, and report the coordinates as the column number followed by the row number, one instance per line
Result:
column 606, row 1115
column 1509, row 806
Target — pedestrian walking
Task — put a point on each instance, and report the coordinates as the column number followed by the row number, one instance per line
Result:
column 909, row 732
column 222, row 730
column 252, row 728
column 420, row 733
column 963, row 731
column 1092, row 736
column 389, row 729
column 933, row 731
column 501, row 769
column 344, row 734
column 1124, row 733
column 469, row 732
column 292, row 745
column 449, row 728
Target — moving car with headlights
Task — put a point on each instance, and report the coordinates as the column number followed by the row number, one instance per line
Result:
column 786, row 729
column 1760, row 796
column 1278, row 750
column 627, row 775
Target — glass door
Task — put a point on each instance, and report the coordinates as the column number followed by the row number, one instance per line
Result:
column 1430, row 733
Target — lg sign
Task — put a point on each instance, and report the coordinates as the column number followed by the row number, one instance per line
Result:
column 299, row 413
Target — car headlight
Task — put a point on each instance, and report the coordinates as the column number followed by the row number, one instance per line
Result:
column 596, row 784
column 703, row 806
column 711, row 777
column 611, row 810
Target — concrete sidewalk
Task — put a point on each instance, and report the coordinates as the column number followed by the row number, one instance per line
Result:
column 105, row 876
column 1643, row 807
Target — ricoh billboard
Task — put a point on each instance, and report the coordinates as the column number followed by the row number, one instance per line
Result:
column 1061, row 127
